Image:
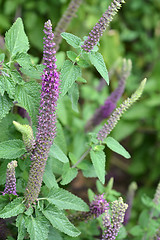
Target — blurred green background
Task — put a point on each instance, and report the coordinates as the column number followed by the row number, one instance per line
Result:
column 134, row 33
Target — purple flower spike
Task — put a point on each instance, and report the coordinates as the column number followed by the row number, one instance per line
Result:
column 100, row 27
column 112, row 224
column 110, row 104
column 98, row 206
column 47, row 117
column 10, row 187
column 116, row 115
column 65, row 20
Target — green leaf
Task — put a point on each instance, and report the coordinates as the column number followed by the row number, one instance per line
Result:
column 54, row 234
column 2, row 57
column 48, row 176
column 5, row 105
column 34, row 71
column 60, row 221
column 136, row 231
column 97, row 60
column 16, row 39
column 98, row 160
column 57, row 153
column 81, row 80
column 8, row 85
column 69, row 74
column 71, row 39
column 15, row 75
column 23, row 60
column 60, row 138
column 68, row 174
column 116, row 147
column 12, row 149
column 82, row 62
column 71, row 55
column 73, row 94
column 20, row 224
column 4, row 200
column 28, row 96
column 37, row 228
column 66, row 200
column 13, row 209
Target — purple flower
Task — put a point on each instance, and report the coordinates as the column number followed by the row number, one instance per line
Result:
column 110, row 104
column 10, row 186
column 114, row 118
column 98, row 206
column 112, row 224
column 46, row 129
column 100, row 27
column 65, row 20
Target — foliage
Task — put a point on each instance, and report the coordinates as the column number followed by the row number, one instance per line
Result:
column 74, row 151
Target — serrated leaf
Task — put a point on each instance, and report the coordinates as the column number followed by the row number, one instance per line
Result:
column 37, row 228
column 16, row 39
column 15, row 75
column 20, row 224
column 68, row 174
column 116, row 147
column 69, row 74
column 23, row 60
column 8, row 85
column 34, row 71
column 66, row 200
column 57, row 153
column 98, row 160
column 98, row 62
column 60, row 221
column 13, row 209
column 71, row 55
column 28, row 96
column 73, row 94
column 71, row 39
column 5, row 105
column 48, row 176
column 12, row 149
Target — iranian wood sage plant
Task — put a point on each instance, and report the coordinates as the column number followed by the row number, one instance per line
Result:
column 35, row 161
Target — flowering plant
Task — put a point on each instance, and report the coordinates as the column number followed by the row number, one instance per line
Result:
column 34, row 96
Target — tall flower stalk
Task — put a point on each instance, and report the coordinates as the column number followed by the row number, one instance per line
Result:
column 46, row 129
column 100, row 27
column 10, row 187
column 107, row 108
column 112, row 224
column 65, row 20
column 116, row 115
